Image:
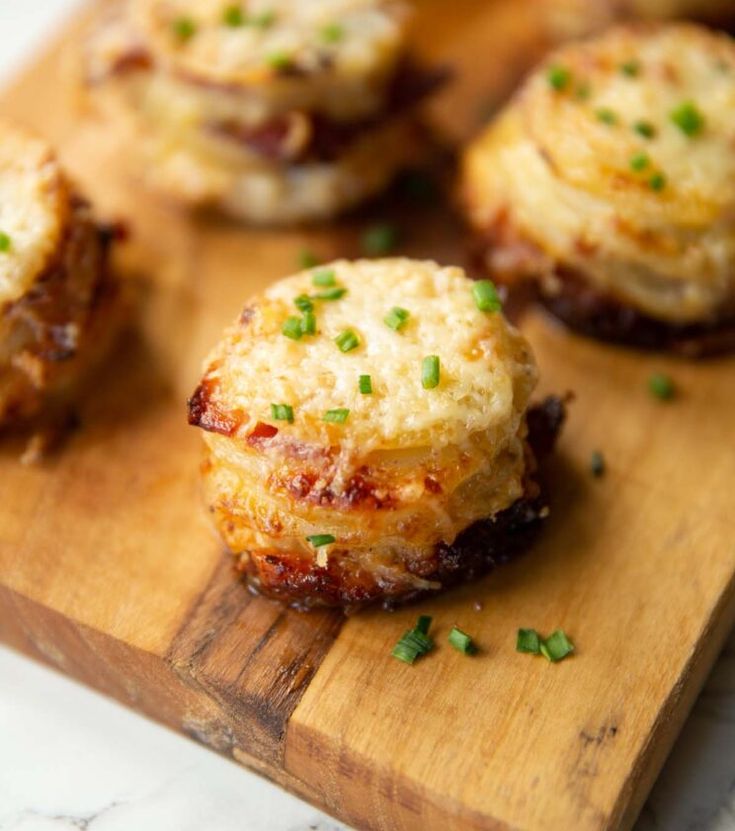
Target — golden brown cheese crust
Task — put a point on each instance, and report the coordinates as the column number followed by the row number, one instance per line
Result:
column 409, row 469
column 58, row 317
column 568, row 181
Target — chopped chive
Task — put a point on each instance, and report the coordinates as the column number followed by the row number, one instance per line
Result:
column 347, row 341
column 486, row 296
column 319, row 540
column 303, row 303
column 233, row 16
column 657, row 182
column 414, row 642
column 396, row 318
column 631, row 69
column 379, row 239
column 292, row 328
column 278, row 60
column 324, row 277
column 330, row 294
column 262, row 20
column 308, row 323
column 418, row 185
column 282, row 412
column 184, row 28
column 423, row 623
column 558, row 77
column 606, row 116
column 645, row 129
column 365, row 384
column 461, row 641
column 528, row 640
column 336, row 416
column 556, row 647
column 597, row 464
column 687, row 118
column 307, row 258
column 430, row 372
column 4, row 242
column 639, row 162
column 332, row 33
column 583, row 91
column 661, row 386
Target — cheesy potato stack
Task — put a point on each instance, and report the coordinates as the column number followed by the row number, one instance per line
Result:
column 366, row 435
column 275, row 111
column 610, row 181
column 55, row 290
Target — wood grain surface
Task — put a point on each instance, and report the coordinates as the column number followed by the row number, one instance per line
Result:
column 110, row 572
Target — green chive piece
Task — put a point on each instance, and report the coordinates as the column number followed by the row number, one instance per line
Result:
column 486, row 296
column 583, row 91
column 657, row 182
column 347, row 341
column 687, row 118
column 292, row 328
column 332, row 33
column 556, row 647
column 418, row 185
column 308, row 323
column 336, row 416
column 423, row 623
column 558, row 77
column 282, row 412
column 379, row 239
column 233, row 16
column 606, row 116
column 645, row 129
column 462, row 642
column 528, row 640
column 184, row 28
column 303, row 303
column 278, row 60
column 4, row 242
column 639, row 162
column 320, row 540
column 307, row 258
column 263, row 20
column 430, row 372
column 414, row 642
column 597, row 464
column 324, row 278
column 396, row 318
column 330, row 294
column 661, row 386
column 631, row 69
column 365, row 384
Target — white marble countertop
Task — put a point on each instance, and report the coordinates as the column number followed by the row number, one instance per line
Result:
column 72, row 760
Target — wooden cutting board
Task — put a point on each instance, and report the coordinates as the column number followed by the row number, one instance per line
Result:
column 110, row 572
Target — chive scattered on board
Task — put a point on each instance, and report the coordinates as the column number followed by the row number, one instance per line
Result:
column 414, row 643
column 462, row 642
column 661, row 386
column 597, row 464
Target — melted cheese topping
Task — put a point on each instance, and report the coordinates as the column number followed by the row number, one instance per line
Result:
column 482, row 359
column 410, row 466
column 568, row 182
column 34, row 209
column 342, row 74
